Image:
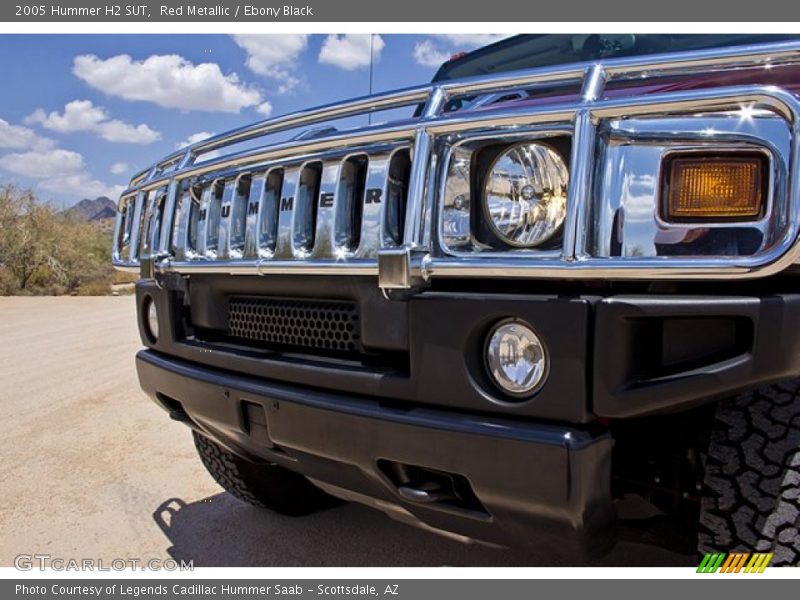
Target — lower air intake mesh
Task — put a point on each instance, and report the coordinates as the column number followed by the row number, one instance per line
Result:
column 302, row 324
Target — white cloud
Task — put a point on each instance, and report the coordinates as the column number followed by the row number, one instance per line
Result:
column 169, row 80
column 59, row 171
column 17, row 137
column 274, row 56
column 350, row 51
column 119, row 168
column 82, row 115
column 426, row 53
column 48, row 163
column 434, row 52
column 198, row 137
column 265, row 109
column 121, row 132
column 193, row 139
column 81, row 185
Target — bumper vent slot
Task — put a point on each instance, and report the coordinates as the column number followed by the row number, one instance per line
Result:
column 325, row 326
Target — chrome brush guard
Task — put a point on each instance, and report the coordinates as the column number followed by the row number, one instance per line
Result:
column 254, row 212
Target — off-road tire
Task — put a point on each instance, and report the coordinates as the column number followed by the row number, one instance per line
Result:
column 751, row 500
column 263, row 485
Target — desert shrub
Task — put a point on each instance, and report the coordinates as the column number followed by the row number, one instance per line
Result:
column 8, row 283
column 94, row 288
column 124, row 277
column 43, row 252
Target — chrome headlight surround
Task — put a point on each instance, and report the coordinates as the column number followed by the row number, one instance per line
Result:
column 464, row 225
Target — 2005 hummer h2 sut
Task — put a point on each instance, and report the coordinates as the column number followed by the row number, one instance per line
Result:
column 563, row 283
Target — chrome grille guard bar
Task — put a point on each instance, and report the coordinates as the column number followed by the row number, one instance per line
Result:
column 148, row 207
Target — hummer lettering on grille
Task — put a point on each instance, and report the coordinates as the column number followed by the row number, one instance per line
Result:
column 326, row 199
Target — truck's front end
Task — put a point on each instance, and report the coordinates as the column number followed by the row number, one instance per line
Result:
column 498, row 318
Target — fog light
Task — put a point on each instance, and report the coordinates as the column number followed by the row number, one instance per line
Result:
column 712, row 188
column 152, row 319
column 516, row 358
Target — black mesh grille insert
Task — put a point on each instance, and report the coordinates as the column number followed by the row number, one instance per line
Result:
column 327, row 326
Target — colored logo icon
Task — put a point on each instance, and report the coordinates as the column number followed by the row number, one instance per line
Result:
column 734, row 562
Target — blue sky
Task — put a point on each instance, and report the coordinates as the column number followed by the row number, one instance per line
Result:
column 80, row 113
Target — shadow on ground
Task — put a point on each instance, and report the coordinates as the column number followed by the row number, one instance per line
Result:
column 220, row 531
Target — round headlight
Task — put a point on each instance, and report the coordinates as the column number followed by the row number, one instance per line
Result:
column 525, row 194
column 152, row 319
column 516, row 358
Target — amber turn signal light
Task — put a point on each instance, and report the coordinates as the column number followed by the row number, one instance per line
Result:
column 714, row 188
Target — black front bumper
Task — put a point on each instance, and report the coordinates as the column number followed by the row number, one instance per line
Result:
column 538, row 471
column 534, row 483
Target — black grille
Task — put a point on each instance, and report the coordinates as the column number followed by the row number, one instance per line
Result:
column 331, row 326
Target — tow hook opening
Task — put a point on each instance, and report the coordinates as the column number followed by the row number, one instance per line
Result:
column 176, row 411
column 432, row 487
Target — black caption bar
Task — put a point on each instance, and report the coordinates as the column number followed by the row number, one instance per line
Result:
column 404, row 11
column 403, row 589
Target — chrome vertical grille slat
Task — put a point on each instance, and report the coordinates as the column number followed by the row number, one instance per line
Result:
column 225, row 218
column 122, row 230
column 167, row 217
column 255, row 202
column 262, row 214
column 136, row 226
column 150, row 236
column 284, row 242
column 327, row 199
column 183, row 210
column 208, row 220
column 350, row 199
column 304, row 214
column 238, row 216
column 372, row 238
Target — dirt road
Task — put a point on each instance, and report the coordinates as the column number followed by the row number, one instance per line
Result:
column 92, row 469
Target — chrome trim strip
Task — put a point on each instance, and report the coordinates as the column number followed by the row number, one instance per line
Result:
column 266, row 266
column 293, row 149
column 357, row 106
column 581, row 166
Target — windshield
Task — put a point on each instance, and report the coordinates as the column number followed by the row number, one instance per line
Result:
column 529, row 51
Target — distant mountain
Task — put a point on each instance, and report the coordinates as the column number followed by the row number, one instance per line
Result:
column 92, row 210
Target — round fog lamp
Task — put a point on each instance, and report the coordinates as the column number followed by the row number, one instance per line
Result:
column 152, row 319
column 516, row 358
